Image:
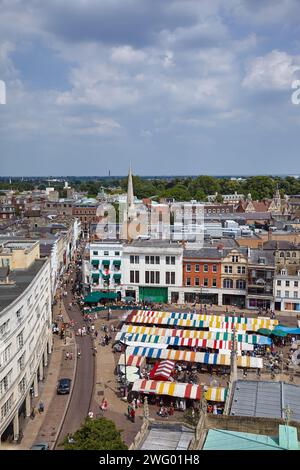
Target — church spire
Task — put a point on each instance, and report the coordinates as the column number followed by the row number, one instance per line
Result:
column 130, row 195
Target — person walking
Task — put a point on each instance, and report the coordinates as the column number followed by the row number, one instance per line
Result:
column 132, row 414
column 41, row 407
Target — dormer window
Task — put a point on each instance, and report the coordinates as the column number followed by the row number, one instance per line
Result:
column 283, row 272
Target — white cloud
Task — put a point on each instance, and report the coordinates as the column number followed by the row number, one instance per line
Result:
column 127, row 55
column 274, row 71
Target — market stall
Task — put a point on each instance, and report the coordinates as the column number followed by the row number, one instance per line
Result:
column 196, row 357
column 172, row 389
column 162, row 370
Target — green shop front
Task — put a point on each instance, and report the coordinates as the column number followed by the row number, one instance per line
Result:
column 153, row 294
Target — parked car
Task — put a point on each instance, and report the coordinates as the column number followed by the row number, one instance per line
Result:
column 40, row 446
column 64, row 386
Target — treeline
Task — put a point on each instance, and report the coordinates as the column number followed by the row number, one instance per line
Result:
column 180, row 188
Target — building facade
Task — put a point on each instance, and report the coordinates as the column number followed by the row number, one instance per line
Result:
column 234, row 277
column 287, row 292
column 202, row 276
column 152, row 271
column 25, row 337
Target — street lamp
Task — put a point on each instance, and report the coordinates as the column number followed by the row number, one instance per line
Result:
column 125, row 361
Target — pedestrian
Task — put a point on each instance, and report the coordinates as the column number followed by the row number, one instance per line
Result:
column 132, row 415
column 71, row 355
column 129, row 410
column 41, row 407
column 91, row 415
column 79, row 331
column 67, row 355
column 104, row 405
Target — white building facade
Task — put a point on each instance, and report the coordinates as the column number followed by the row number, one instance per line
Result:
column 287, row 292
column 152, row 270
column 102, row 271
column 25, row 342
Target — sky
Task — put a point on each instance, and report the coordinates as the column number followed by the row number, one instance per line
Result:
column 175, row 86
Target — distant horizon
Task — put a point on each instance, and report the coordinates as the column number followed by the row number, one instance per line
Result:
column 46, row 177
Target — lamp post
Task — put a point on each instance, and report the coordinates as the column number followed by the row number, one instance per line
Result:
column 125, row 361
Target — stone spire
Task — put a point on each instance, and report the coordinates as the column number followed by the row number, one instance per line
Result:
column 130, row 195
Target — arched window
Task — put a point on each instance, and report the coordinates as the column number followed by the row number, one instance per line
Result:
column 240, row 284
column 227, row 283
column 281, row 254
column 288, row 254
column 294, row 254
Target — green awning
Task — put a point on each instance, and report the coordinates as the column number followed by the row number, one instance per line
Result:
column 117, row 276
column 95, row 262
column 264, row 331
column 116, row 262
column 95, row 277
column 279, row 333
column 105, row 262
column 93, row 297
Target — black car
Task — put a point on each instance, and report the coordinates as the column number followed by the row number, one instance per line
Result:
column 64, row 386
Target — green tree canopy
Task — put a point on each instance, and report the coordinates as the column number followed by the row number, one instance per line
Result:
column 96, row 434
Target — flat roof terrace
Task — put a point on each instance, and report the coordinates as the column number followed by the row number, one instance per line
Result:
column 22, row 278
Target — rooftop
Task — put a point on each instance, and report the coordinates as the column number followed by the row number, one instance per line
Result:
column 22, row 278
column 220, row 439
column 265, row 399
column 167, row 437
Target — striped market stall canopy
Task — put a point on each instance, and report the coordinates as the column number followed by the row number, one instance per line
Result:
column 137, row 361
column 241, row 338
column 179, row 341
column 167, row 321
column 208, row 318
column 216, row 394
column 198, row 357
column 177, row 390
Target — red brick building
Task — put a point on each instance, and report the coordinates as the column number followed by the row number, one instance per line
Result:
column 202, row 275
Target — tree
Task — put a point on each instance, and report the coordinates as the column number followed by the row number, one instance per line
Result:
column 95, row 434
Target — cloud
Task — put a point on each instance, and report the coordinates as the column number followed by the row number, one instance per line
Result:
column 127, row 55
column 274, row 71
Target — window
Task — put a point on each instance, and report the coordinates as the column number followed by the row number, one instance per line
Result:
column 4, row 328
column 215, row 268
column 287, row 283
column 288, row 254
column 131, row 259
column 147, row 278
column 286, row 293
column 22, row 386
column 205, row 283
column 167, row 259
column 147, row 259
column 235, row 259
column 137, row 277
column 131, row 276
column 152, row 277
column 151, row 259
column 106, row 253
column 172, row 278
column 188, row 268
column 197, row 268
column 197, row 281
column 296, row 283
column 281, row 254
column 117, row 253
column 157, row 277
column 278, row 282
column 20, row 340
column 241, row 284
column 6, row 355
column 95, row 253
column 241, row 270
column 5, row 383
column 5, row 409
column 172, row 259
column 157, row 260
column 295, row 294
column 167, row 278
column 21, row 362
column 278, row 293
column 228, row 269
column 294, row 255
column 136, row 259
column 228, row 284
column 188, row 281
column 214, row 282
column 205, row 268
